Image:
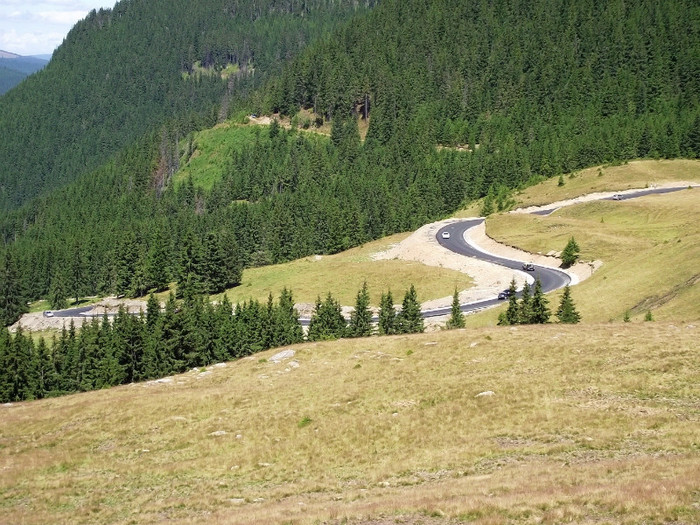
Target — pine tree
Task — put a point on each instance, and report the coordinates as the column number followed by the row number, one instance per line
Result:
column 456, row 319
column 525, row 306
column 58, row 295
column 361, row 317
column 327, row 321
column 570, row 254
column 387, row 315
column 567, row 311
column 13, row 302
column 540, row 310
column 512, row 314
column 410, row 320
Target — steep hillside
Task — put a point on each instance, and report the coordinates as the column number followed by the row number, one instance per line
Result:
column 583, row 424
column 121, row 72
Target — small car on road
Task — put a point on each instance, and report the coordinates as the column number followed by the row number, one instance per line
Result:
column 445, row 235
column 505, row 294
column 48, row 313
column 528, row 267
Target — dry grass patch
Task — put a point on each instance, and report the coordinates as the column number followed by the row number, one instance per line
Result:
column 343, row 274
column 587, row 423
column 635, row 174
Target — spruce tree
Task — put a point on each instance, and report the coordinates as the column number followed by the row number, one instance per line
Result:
column 46, row 374
column 361, row 317
column 540, row 310
column 456, row 319
column 387, row 315
column 512, row 315
column 567, row 311
column 570, row 253
column 58, row 295
column 286, row 328
column 525, row 306
column 410, row 319
column 6, row 388
column 13, row 302
column 327, row 321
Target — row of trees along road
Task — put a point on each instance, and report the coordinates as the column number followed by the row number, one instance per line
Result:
column 185, row 334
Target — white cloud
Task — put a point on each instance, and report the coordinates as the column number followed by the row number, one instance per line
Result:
column 62, row 17
column 29, row 27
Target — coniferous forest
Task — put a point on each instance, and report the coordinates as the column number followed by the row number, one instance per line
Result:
column 527, row 90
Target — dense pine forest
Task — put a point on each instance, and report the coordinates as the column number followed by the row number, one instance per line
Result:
column 120, row 72
column 525, row 89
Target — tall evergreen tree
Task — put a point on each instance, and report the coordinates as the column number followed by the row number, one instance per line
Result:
column 327, row 321
column 525, row 306
column 286, row 327
column 456, row 319
column 566, row 313
column 58, row 295
column 387, row 315
column 13, row 302
column 410, row 320
column 512, row 314
column 361, row 317
column 540, row 310
column 570, row 253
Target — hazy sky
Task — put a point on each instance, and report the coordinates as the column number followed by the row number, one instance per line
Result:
column 36, row 27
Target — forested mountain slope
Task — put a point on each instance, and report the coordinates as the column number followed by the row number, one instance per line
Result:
column 544, row 86
column 119, row 72
column 528, row 89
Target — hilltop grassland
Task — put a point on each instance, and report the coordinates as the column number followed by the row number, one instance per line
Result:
column 592, row 423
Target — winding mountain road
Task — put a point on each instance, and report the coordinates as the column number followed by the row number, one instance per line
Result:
column 551, row 278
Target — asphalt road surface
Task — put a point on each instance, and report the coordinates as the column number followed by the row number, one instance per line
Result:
column 550, row 278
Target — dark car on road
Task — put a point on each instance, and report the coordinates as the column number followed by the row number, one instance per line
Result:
column 505, row 294
column 528, row 267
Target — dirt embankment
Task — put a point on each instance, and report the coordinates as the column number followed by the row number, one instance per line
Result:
column 38, row 322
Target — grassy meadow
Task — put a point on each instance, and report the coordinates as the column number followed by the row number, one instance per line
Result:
column 589, row 423
column 342, row 274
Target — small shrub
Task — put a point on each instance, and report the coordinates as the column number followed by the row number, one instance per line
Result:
column 626, row 318
column 648, row 316
column 305, row 421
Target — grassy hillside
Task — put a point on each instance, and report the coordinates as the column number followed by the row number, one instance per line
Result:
column 586, row 424
column 343, row 275
column 649, row 246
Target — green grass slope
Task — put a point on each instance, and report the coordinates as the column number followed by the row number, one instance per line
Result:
column 586, row 424
column 649, row 246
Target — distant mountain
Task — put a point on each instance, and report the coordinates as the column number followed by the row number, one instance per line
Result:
column 15, row 68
